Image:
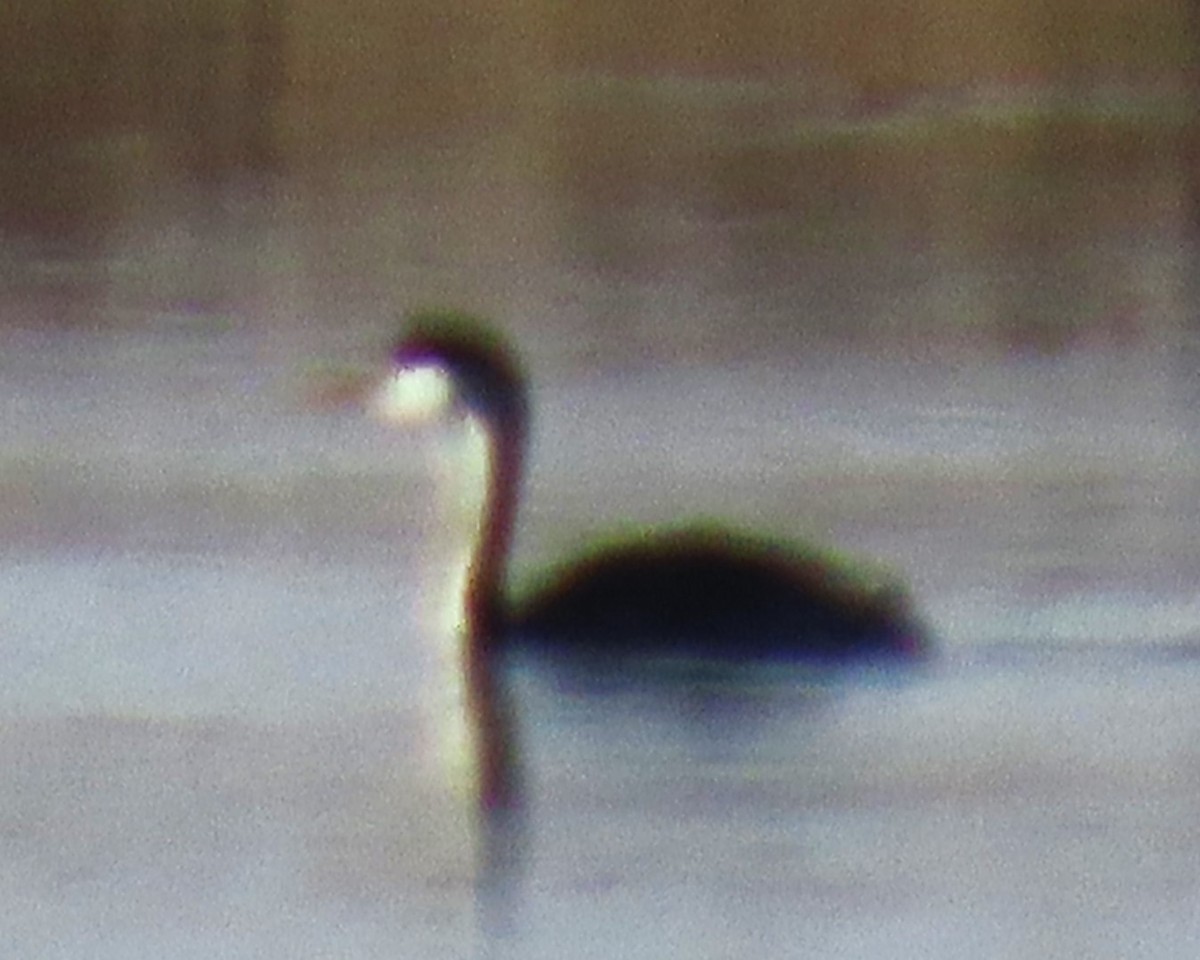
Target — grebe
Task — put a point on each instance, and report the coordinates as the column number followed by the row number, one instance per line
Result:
column 700, row 596
column 699, row 592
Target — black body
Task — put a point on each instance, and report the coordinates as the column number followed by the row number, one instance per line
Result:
column 705, row 592
column 695, row 595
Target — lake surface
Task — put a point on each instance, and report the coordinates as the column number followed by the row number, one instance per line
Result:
column 215, row 734
column 925, row 294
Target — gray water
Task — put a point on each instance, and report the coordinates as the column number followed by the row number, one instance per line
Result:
column 924, row 294
column 210, row 592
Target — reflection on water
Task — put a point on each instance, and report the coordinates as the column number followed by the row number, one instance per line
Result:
column 281, row 163
column 214, row 652
column 920, row 286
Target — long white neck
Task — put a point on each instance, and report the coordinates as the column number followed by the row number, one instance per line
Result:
column 476, row 476
column 468, row 744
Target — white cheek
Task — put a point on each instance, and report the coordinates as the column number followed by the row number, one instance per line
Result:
column 410, row 395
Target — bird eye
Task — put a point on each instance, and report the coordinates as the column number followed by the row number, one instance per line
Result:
column 413, row 394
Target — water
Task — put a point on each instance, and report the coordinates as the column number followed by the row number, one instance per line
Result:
column 936, row 309
column 213, row 727
column 999, row 806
